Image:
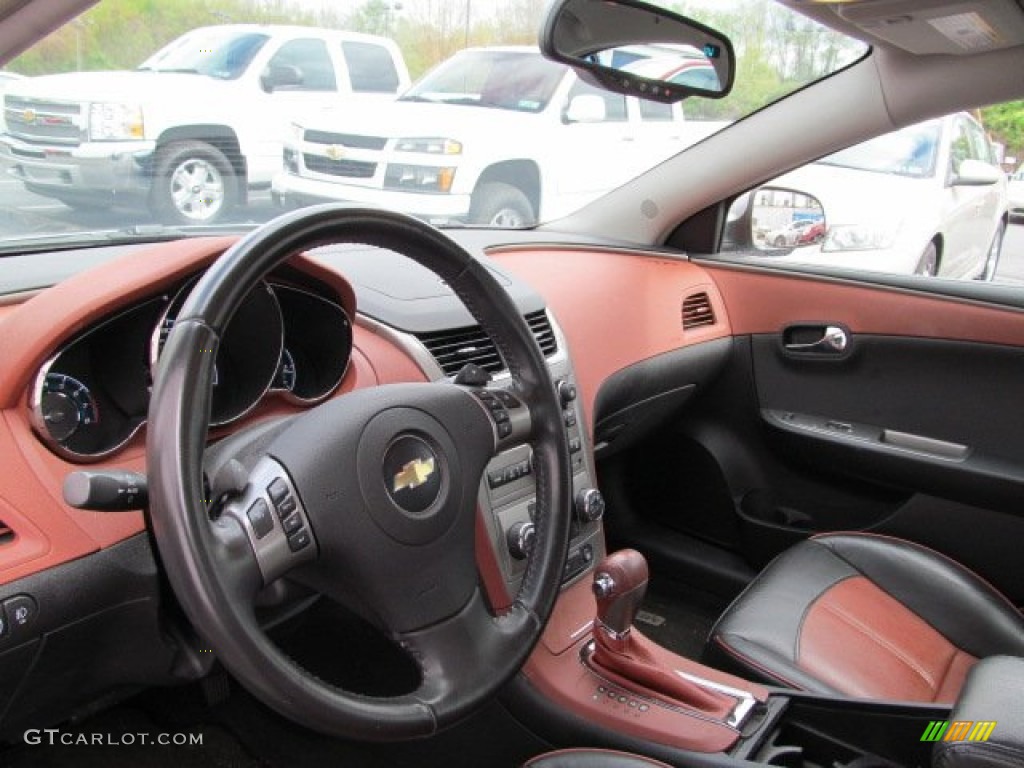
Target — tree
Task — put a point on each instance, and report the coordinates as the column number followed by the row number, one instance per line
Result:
column 1005, row 122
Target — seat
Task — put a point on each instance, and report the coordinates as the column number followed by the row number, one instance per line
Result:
column 592, row 758
column 865, row 616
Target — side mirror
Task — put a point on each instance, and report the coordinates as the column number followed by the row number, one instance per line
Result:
column 279, row 76
column 974, row 173
column 586, row 108
column 630, row 47
column 784, row 219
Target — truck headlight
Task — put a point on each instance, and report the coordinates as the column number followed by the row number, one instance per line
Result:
column 860, row 237
column 419, row 178
column 110, row 121
column 430, row 146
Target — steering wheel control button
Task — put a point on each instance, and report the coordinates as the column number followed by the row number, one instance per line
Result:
column 507, row 399
column 277, row 490
column 299, row 540
column 260, row 518
column 412, row 474
column 504, row 430
column 286, row 506
column 19, row 612
column 291, row 524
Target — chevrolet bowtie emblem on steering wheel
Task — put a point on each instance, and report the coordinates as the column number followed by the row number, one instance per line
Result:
column 414, row 474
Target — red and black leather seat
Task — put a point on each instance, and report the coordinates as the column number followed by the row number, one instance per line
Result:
column 865, row 616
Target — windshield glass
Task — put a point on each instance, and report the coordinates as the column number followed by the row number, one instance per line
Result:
column 221, row 53
column 908, row 152
column 522, row 81
column 442, row 109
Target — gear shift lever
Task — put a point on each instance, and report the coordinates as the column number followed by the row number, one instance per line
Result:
column 620, row 581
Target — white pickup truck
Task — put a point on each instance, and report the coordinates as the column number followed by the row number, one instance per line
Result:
column 194, row 128
column 437, row 152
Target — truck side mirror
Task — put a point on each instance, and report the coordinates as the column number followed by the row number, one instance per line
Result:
column 278, row 76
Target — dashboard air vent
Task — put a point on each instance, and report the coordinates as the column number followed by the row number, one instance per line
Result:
column 697, row 311
column 453, row 348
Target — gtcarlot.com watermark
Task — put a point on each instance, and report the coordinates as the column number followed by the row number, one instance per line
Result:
column 54, row 737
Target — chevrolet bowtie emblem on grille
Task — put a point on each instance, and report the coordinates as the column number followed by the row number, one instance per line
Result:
column 29, row 115
column 414, row 474
column 335, row 151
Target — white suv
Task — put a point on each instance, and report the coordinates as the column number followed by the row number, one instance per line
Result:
column 439, row 152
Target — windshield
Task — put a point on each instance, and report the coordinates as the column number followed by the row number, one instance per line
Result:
column 909, row 152
column 220, row 53
column 520, row 81
column 442, row 109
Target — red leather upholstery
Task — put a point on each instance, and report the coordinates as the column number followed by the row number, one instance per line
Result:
column 865, row 616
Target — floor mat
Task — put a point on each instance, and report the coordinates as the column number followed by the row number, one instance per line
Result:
column 676, row 623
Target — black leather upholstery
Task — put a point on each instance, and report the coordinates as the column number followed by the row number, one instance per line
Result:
column 992, row 693
column 592, row 758
column 758, row 636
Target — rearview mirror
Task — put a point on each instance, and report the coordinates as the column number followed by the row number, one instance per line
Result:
column 630, row 47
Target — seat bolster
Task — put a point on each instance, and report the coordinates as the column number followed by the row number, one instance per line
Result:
column 954, row 600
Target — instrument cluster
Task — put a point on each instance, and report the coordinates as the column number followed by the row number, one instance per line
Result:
column 286, row 340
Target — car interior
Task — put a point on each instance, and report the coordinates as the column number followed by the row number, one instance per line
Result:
column 350, row 489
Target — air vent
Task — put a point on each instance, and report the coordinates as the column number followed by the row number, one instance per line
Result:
column 697, row 311
column 454, row 348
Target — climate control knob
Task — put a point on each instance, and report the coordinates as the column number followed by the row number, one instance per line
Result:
column 589, row 505
column 520, row 539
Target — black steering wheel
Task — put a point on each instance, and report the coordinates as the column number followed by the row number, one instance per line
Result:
column 369, row 497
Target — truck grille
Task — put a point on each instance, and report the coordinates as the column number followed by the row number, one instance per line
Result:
column 345, row 139
column 353, row 169
column 35, row 120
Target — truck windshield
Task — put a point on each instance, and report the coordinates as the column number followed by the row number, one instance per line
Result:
column 516, row 80
column 220, row 53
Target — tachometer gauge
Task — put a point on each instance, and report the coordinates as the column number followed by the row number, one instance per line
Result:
column 65, row 405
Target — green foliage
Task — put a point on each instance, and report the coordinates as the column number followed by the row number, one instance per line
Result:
column 121, row 34
column 1005, row 123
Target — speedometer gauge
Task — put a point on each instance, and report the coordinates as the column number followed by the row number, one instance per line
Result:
column 66, row 404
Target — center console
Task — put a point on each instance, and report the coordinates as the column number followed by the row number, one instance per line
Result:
column 507, row 497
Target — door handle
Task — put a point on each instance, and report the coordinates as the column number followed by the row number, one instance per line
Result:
column 834, row 340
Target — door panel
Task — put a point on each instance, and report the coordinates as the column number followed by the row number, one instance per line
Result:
column 914, row 429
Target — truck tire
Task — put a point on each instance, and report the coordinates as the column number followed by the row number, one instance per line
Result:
column 495, row 204
column 193, row 183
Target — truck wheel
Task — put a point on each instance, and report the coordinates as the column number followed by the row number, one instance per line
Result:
column 495, row 204
column 193, row 183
